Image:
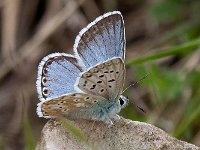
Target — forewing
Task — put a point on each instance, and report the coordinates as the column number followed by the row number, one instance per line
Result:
column 105, row 79
column 57, row 74
column 66, row 104
column 101, row 40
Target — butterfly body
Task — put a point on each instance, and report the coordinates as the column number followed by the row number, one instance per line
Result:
column 99, row 111
column 88, row 85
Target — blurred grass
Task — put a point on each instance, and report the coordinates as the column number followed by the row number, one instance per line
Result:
column 167, row 10
column 1, row 142
column 172, row 85
column 28, row 135
column 169, row 86
column 189, row 117
column 75, row 131
column 182, row 49
column 191, row 112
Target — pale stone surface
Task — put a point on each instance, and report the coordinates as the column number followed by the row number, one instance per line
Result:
column 123, row 135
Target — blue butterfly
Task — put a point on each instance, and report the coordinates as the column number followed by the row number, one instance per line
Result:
column 89, row 83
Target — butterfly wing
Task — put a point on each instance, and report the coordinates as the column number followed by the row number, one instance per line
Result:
column 101, row 40
column 105, row 79
column 99, row 49
column 66, row 105
column 57, row 74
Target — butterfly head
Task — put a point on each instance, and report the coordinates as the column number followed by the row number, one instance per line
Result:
column 123, row 101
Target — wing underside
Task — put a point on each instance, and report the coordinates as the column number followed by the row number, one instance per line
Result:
column 105, row 79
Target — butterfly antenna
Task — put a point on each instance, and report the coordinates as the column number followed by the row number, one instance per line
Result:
column 135, row 83
column 141, row 109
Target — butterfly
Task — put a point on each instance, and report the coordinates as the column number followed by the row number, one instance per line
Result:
column 88, row 84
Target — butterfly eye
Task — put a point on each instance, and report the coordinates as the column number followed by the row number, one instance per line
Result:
column 121, row 101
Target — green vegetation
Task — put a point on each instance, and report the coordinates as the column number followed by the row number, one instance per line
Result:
column 172, row 88
column 28, row 135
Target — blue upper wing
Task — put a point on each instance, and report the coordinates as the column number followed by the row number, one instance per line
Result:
column 57, row 74
column 101, row 40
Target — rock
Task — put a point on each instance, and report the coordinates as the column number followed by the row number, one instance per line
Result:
column 123, row 135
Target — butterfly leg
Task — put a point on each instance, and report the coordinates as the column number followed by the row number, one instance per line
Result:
column 108, row 121
column 114, row 116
